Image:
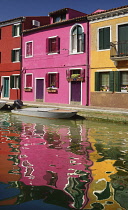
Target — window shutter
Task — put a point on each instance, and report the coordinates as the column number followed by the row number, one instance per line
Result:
column 117, row 81
column 101, row 39
column 11, row 81
column 97, row 81
column 58, row 44
column 47, row 45
column 0, row 32
column 83, row 42
column 13, row 55
column 57, row 80
column 20, row 29
column 111, row 81
column 29, row 80
column 106, row 38
column 20, row 56
column 68, row 73
column 13, row 30
column 47, row 80
column 82, row 73
column 19, row 82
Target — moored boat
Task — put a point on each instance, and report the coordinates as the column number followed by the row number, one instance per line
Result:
column 45, row 112
column 2, row 104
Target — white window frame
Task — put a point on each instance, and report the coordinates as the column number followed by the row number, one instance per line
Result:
column 70, row 47
column 26, row 49
column 18, row 31
column 109, row 26
column 17, row 49
column 51, row 37
column 14, row 75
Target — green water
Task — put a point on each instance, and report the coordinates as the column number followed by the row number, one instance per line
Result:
column 62, row 164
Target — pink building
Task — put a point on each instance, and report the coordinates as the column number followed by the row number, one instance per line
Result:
column 55, row 60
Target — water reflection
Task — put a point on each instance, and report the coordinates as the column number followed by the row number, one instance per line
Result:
column 62, row 164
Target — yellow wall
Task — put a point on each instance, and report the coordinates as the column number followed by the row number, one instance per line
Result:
column 100, row 60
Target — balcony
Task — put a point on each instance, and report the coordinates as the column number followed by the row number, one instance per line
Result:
column 119, row 51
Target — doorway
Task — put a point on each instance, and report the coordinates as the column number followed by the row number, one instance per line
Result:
column 75, row 91
column 39, row 89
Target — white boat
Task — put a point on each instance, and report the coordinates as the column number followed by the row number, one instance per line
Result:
column 2, row 103
column 45, row 112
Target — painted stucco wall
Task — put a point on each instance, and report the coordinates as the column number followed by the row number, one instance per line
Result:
column 100, row 60
column 41, row 63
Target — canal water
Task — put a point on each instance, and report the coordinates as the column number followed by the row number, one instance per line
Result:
column 62, row 164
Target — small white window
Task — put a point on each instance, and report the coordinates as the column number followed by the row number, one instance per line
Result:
column 29, row 49
column 16, row 55
column 16, row 30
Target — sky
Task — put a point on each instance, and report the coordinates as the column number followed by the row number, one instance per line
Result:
column 10, row 9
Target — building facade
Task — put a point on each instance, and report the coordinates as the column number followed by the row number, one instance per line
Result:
column 109, row 58
column 55, row 60
column 10, row 53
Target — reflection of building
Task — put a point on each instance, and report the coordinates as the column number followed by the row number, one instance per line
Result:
column 101, row 190
column 9, row 169
column 48, row 160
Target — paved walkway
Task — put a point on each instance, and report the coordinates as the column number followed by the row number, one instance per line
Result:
column 79, row 107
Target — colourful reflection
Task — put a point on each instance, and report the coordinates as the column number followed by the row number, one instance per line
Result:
column 57, row 158
column 65, row 165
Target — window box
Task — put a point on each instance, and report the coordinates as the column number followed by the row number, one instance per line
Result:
column 75, row 79
column 28, row 89
column 75, row 75
column 51, row 90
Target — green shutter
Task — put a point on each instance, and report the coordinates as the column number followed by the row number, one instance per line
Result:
column 101, row 38
column 13, row 55
column 117, row 81
column 20, row 29
column 20, row 58
column 19, row 82
column 13, row 30
column 106, row 38
column 111, row 81
column 11, row 81
column 83, row 42
column 97, row 81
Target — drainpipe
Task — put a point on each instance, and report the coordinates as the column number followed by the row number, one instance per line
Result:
column 87, row 66
column 21, row 63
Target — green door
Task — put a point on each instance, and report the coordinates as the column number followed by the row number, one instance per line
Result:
column 123, row 40
column 6, row 87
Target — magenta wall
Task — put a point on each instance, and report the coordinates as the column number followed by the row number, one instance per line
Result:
column 41, row 63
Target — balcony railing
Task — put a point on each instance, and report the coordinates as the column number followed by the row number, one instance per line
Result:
column 119, row 50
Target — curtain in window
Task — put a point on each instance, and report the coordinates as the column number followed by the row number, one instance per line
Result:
column 29, row 49
column 77, row 39
column 124, row 78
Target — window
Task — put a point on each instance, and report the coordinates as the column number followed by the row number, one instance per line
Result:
column 104, row 81
column 59, row 18
column 16, row 30
column 104, row 38
column 28, row 81
column 16, row 54
column 29, row 49
column 77, row 39
column 15, row 81
column 52, row 80
column 75, row 74
column 124, row 81
column 53, row 45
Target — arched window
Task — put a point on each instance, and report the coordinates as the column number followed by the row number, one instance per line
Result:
column 77, row 39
